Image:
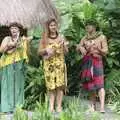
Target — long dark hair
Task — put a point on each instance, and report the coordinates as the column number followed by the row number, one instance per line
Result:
column 48, row 24
column 46, row 33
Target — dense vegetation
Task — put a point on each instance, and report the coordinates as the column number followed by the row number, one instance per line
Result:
column 74, row 13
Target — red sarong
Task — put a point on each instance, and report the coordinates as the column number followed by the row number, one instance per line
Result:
column 92, row 75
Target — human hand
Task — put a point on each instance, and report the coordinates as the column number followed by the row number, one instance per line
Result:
column 50, row 52
column 61, row 42
column 77, row 48
column 83, row 51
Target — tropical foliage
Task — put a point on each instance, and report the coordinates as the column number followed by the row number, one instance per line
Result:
column 74, row 14
column 112, row 11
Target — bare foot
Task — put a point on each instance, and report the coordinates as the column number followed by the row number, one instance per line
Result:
column 102, row 111
column 52, row 110
column 93, row 107
column 59, row 109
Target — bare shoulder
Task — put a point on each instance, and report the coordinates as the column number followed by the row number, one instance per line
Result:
column 103, row 37
column 6, row 39
column 83, row 39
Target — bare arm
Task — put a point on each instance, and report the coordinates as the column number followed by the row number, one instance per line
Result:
column 28, row 39
column 104, row 45
column 81, row 48
column 4, row 45
column 41, row 51
column 65, row 44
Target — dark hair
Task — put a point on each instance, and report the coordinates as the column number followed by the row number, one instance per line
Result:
column 15, row 24
column 48, row 23
column 51, row 20
column 93, row 23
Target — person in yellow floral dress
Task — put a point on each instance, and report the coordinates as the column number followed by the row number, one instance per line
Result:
column 52, row 48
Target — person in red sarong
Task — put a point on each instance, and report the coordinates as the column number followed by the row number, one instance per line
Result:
column 93, row 47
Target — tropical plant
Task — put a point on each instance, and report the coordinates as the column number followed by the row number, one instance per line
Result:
column 111, row 8
column 74, row 14
column 20, row 114
column 74, row 110
column 35, row 86
column 42, row 111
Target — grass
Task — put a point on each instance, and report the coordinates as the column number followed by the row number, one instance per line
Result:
column 73, row 110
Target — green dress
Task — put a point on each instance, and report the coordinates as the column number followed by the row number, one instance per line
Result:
column 12, row 78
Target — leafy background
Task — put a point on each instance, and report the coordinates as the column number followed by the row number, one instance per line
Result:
column 74, row 13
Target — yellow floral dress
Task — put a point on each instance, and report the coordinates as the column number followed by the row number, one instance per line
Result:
column 16, row 56
column 54, row 68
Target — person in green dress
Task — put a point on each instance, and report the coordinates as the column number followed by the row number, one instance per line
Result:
column 14, row 55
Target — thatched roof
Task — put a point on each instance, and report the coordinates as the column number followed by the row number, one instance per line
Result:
column 27, row 12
